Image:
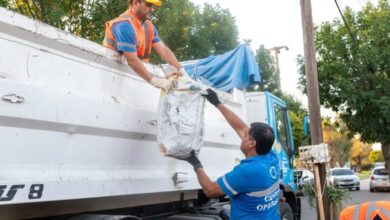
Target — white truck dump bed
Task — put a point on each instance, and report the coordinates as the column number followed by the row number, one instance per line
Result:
column 78, row 128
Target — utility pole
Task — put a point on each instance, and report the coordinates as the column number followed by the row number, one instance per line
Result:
column 277, row 51
column 323, row 207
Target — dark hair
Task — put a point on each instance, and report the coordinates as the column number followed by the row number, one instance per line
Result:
column 264, row 136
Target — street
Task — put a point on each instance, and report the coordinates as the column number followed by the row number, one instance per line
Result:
column 364, row 195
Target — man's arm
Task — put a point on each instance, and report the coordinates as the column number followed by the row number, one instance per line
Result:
column 164, row 52
column 137, row 65
column 210, row 188
column 237, row 124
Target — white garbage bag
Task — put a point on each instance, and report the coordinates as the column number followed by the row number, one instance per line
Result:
column 180, row 120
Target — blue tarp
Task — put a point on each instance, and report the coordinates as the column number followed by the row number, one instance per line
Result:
column 234, row 69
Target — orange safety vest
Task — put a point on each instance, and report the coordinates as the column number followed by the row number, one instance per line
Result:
column 143, row 35
column 367, row 211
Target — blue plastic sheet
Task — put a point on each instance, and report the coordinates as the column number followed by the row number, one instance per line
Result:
column 234, row 69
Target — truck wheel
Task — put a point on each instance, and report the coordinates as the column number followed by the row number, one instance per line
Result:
column 285, row 211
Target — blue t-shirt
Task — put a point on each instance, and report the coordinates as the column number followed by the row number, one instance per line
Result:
column 253, row 187
column 124, row 35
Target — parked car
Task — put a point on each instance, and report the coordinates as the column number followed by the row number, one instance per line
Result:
column 379, row 164
column 344, row 178
column 303, row 177
column 379, row 179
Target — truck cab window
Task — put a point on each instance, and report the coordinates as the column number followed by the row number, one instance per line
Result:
column 282, row 131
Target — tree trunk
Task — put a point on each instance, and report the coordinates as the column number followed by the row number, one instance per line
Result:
column 386, row 155
column 341, row 162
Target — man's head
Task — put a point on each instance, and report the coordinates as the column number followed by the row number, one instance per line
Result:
column 142, row 8
column 154, row 2
column 260, row 137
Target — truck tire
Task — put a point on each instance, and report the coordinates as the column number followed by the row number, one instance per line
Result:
column 285, row 211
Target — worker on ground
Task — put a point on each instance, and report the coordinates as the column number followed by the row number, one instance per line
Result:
column 133, row 35
column 376, row 210
column 253, row 185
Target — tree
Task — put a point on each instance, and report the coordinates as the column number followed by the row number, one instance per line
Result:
column 99, row 12
column 4, row 3
column 192, row 33
column 219, row 25
column 359, row 154
column 80, row 17
column 354, row 71
column 269, row 76
column 176, row 22
column 336, row 136
column 296, row 114
column 376, row 156
column 188, row 31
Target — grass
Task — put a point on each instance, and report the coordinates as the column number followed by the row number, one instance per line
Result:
column 364, row 174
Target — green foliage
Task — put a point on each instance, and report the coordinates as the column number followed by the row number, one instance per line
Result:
column 269, row 78
column 3, row 3
column 335, row 134
column 192, row 33
column 296, row 114
column 80, row 17
column 359, row 154
column 218, row 24
column 354, row 75
column 100, row 12
column 376, row 156
column 296, row 119
column 335, row 195
column 364, row 174
column 176, row 21
column 342, row 147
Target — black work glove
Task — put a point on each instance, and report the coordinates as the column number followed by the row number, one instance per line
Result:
column 212, row 97
column 194, row 161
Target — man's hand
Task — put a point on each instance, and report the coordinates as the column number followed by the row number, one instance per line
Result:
column 194, row 161
column 212, row 97
column 161, row 83
column 183, row 72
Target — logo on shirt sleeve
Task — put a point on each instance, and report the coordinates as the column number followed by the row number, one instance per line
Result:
column 272, row 172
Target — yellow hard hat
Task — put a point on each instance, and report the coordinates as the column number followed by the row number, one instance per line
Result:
column 154, row 2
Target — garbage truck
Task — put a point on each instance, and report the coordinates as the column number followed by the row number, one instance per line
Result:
column 78, row 135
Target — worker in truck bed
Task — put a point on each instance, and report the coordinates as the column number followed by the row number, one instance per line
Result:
column 133, row 35
column 253, row 185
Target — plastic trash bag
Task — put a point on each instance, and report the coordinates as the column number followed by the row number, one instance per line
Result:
column 180, row 120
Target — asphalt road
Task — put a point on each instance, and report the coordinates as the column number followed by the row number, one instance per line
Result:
column 364, row 195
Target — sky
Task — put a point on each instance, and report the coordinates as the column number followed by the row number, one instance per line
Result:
column 278, row 23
